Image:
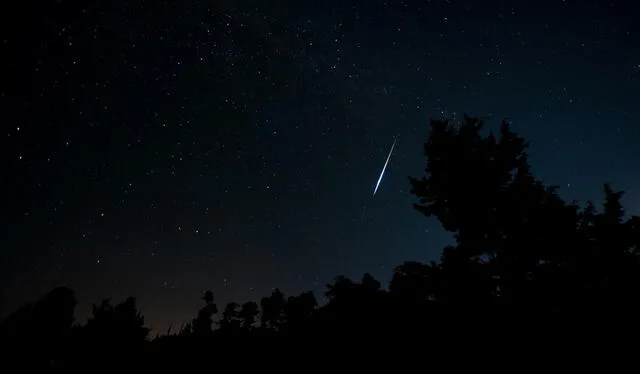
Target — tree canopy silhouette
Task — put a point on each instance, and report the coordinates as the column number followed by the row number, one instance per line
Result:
column 517, row 240
column 523, row 260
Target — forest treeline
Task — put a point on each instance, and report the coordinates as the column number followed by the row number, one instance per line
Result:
column 525, row 264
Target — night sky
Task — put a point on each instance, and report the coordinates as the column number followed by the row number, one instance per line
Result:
column 162, row 148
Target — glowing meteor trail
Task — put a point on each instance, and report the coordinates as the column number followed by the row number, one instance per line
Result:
column 384, row 168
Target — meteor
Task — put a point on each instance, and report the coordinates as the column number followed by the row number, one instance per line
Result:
column 384, row 168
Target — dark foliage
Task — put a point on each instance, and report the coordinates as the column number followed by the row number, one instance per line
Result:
column 526, row 265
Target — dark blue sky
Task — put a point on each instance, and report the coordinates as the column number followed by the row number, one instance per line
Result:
column 158, row 149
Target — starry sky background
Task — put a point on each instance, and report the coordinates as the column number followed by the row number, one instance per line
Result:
column 162, row 148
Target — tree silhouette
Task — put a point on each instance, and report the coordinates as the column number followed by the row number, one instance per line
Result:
column 202, row 323
column 113, row 335
column 353, row 307
column 122, row 323
column 416, row 283
column 272, row 310
column 340, row 289
column 369, row 283
column 481, row 189
column 517, row 241
column 231, row 317
column 299, row 309
column 248, row 313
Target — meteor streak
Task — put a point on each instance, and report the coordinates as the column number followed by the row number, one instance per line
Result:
column 384, row 168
